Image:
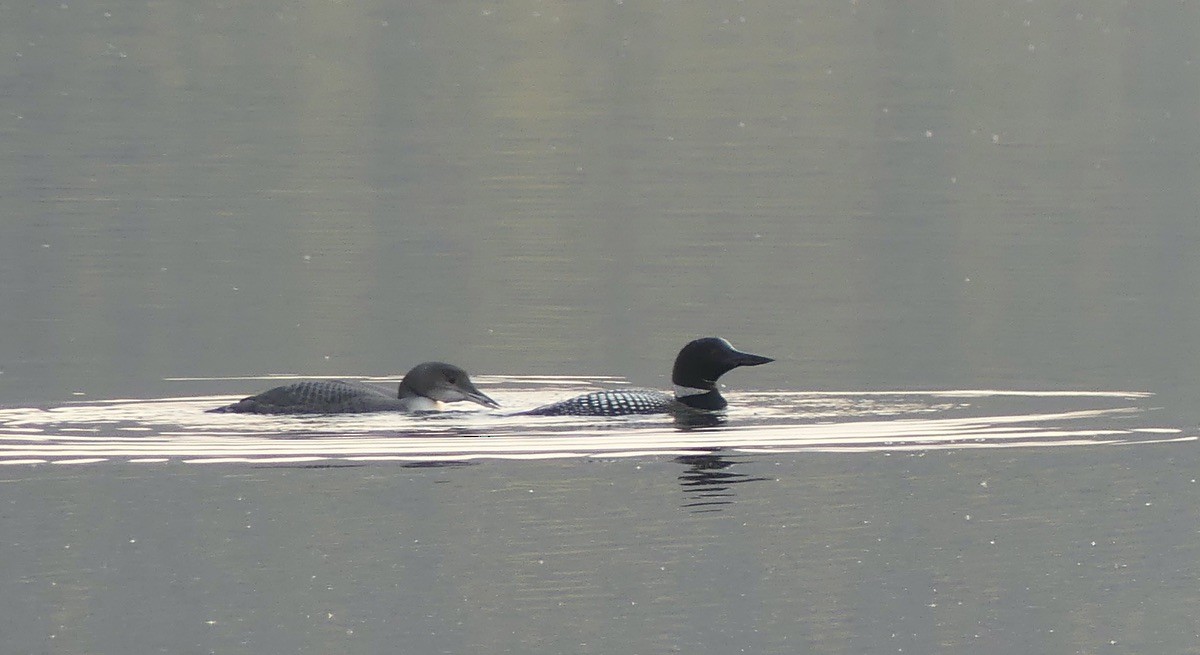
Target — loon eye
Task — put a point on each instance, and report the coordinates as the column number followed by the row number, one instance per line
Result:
column 452, row 379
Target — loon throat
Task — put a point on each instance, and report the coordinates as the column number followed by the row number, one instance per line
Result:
column 423, row 404
column 684, row 392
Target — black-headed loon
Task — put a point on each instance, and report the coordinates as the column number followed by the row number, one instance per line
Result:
column 697, row 368
column 423, row 389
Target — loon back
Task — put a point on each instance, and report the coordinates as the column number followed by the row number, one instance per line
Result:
column 319, row 397
column 623, row 402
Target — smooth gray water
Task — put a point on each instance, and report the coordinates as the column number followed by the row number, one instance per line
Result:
column 926, row 212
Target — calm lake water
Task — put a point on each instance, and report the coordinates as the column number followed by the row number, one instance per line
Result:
column 968, row 234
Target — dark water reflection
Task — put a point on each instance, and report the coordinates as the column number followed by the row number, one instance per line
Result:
column 707, row 482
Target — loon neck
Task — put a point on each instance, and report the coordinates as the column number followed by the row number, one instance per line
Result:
column 416, row 401
column 423, row 404
column 698, row 398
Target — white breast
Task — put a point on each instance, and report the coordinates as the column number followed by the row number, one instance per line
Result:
column 423, row 404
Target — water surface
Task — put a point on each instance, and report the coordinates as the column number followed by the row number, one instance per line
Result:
column 181, row 429
column 966, row 232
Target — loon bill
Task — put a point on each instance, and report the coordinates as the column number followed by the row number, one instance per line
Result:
column 697, row 368
column 424, row 388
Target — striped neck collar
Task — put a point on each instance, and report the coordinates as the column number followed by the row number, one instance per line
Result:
column 684, row 392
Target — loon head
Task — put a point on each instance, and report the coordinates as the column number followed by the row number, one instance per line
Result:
column 699, row 365
column 442, row 382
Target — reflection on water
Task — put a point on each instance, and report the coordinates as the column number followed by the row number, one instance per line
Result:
column 708, row 482
column 179, row 430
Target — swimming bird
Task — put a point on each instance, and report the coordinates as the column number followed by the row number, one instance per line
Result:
column 697, row 368
column 424, row 388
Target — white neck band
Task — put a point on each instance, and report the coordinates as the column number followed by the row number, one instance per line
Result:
column 681, row 392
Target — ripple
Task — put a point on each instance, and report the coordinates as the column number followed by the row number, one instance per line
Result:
column 178, row 430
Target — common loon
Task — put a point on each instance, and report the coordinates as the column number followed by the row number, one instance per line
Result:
column 697, row 368
column 424, row 388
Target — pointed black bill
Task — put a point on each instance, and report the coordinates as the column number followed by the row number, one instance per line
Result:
column 476, row 396
column 738, row 358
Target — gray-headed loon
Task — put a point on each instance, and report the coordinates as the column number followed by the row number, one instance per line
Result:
column 697, row 368
column 423, row 389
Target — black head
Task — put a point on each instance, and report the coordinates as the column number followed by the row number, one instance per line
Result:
column 701, row 362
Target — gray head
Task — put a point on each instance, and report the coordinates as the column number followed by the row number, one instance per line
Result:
column 443, row 382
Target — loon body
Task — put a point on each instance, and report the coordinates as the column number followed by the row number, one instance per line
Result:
column 697, row 368
column 424, row 388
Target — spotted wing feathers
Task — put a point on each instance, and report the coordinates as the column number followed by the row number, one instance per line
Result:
column 622, row 402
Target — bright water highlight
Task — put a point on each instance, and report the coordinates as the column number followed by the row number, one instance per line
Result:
column 163, row 430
